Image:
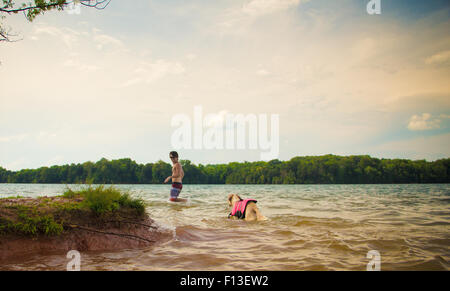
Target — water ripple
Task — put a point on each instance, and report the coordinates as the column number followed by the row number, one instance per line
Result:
column 309, row 227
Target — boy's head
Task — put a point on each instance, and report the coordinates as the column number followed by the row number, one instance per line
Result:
column 173, row 156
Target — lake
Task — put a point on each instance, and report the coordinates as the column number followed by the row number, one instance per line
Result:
column 309, row 227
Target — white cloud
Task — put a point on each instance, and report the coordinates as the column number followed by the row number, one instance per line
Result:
column 191, row 57
column 45, row 135
column 439, row 58
column 56, row 160
column 13, row 138
column 131, row 82
column 103, row 40
column 67, row 35
column 421, row 147
column 243, row 15
column 15, row 165
column 423, row 122
column 45, row 29
column 263, row 7
column 70, row 36
column 151, row 71
column 80, row 66
column 262, row 72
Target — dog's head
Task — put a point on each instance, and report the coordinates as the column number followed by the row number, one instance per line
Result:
column 233, row 198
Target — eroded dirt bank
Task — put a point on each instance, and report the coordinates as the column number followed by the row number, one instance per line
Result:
column 34, row 225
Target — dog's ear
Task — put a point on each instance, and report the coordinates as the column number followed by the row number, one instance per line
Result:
column 230, row 197
column 239, row 197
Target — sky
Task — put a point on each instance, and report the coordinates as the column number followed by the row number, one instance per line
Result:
column 108, row 83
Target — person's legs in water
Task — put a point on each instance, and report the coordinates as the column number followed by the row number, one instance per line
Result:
column 175, row 191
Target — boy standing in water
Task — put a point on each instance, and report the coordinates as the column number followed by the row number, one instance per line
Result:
column 177, row 177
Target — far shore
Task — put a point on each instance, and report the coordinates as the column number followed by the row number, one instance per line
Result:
column 325, row 169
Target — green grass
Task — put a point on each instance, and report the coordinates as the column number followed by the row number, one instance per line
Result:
column 29, row 222
column 103, row 199
column 29, row 225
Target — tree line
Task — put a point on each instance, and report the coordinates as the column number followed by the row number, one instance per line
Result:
column 326, row 169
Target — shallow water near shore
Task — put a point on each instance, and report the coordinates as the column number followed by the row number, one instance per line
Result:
column 309, row 227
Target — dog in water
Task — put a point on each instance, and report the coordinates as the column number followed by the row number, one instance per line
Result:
column 244, row 209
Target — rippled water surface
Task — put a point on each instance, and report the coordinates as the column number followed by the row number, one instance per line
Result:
column 309, row 227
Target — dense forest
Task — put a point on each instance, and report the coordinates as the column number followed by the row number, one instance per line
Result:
column 327, row 169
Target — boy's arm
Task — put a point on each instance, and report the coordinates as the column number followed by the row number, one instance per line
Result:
column 170, row 177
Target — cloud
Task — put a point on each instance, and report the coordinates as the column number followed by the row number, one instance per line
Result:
column 432, row 103
column 151, row 71
column 257, row 8
column 103, row 40
column 191, row 57
column 67, row 35
column 423, row 122
column 75, row 42
column 70, row 36
column 80, row 66
column 15, row 165
column 421, row 147
column 244, row 15
column 439, row 58
column 131, row 82
column 338, row 81
column 262, row 72
column 56, row 160
column 13, row 138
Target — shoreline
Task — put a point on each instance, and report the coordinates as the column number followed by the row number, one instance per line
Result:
column 36, row 225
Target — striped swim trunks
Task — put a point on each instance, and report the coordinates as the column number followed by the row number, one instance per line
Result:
column 175, row 190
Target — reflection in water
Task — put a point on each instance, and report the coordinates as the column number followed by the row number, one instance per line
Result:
column 309, row 227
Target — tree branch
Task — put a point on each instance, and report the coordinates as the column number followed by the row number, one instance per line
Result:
column 40, row 6
column 61, row 3
column 5, row 35
column 16, row 10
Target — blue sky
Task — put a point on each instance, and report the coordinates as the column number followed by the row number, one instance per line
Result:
column 107, row 83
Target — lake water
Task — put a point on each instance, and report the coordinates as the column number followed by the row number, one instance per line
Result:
column 309, row 227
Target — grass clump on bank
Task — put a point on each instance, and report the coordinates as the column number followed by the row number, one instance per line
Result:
column 29, row 225
column 30, row 222
column 102, row 199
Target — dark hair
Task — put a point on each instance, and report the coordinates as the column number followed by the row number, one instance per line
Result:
column 173, row 154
